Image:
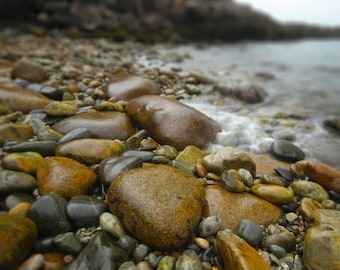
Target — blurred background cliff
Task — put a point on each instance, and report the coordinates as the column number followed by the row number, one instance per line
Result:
column 152, row 20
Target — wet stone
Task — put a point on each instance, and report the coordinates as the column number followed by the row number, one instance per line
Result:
column 18, row 236
column 231, row 180
column 188, row 262
column 100, row 253
column 322, row 240
column 19, row 99
column 15, row 132
column 232, row 208
column 128, row 266
column 59, row 108
column 273, row 193
column 209, row 226
column 286, row 174
column 48, row 91
column 68, row 242
column 250, row 231
column 308, row 206
column 65, row 176
column 111, row 224
column 190, row 155
column 110, row 168
column 84, row 210
column 326, row 176
column 158, row 205
column 126, row 88
column 170, row 122
column 287, row 151
column 246, row 176
column 143, row 155
column 134, row 141
column 15, row 198
column 78, row 133
column 12, row 181
column 127, row 243
column 34, row 262
column 284, row 239
column 166, row 263
column 29, row 70
column 25, row 162
column 236, row 253
column 90, row 151
column 228, row 158
column 105, row 125
column 49, row 214
column 310, row 190
column 44, row 148
column 167, row 151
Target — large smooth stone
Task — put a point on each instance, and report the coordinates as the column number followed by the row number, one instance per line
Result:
column 309, row 189
column 228, row 158
column 322, row 241
column 44, row 148
column 15, row 132
column 126, row 88
column 287, row 151
column 64, row 176
column 19, row 99
column 49, row 214
column 105, row 125
column 12, row 181
column 231, row 208
column 18, row 236
column 326, row 176
column 158, row 204
column 85, row 210
column 171, row 122
column 237, row 254
column 90, row 151
column 29, row 70
column 99, row 254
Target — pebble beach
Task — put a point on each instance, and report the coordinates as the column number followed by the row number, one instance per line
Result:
column 106, row 164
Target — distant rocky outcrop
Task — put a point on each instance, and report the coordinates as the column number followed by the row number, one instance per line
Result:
column 157, row 20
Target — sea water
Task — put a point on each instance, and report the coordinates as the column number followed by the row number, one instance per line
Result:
column 301, row 79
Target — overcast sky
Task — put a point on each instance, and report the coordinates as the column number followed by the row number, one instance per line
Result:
column 322, row 12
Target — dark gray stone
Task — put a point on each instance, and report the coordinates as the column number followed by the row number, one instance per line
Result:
column 250, row 231
column 286, row 151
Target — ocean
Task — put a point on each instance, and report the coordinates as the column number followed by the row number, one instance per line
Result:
column 302, row 82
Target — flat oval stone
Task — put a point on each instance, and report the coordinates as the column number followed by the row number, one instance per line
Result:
column 64, row 176
column 158, row 204
column 110, row 168
column 285, row 150
column 111, row 224
column 15, row 198
column 99, row 253
column 232, row 208
column 44, row 148
column 49, row 214
column 209, row 226
column 84, row 210
column 29, row 70
column 59, row 108
column 19, row 99
column 310, row 190
column 25, row 162
column 48, row 91
column 105, row 125
column 188, row 262
column 129, row 87
column 236, row 253
column 322, row 174
column 15, row 132
column 12, row 181
column 273, row 193
column 78, row 133
column 90, row 151
column 283, row 239
column 171, row 122
column 18, row 236
column 228, row 158
column 250, row 231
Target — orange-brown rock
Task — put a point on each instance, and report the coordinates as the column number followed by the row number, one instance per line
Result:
column 231, row 208
column 105, row 125
column 15, row 132
column 237, row 254
column 19, row 99
column 18, row 235
column 24, row 162
column 20, row 209
column 64, row 176
column 90, row 151
column 171, row 122
column 324, row 175
column 157, row 204
column 265, row 164
column 129, row 87
column 29, row 71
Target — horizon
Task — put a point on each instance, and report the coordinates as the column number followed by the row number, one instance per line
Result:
column 320, row 12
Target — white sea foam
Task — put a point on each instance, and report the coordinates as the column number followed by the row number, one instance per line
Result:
column 237, row 131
